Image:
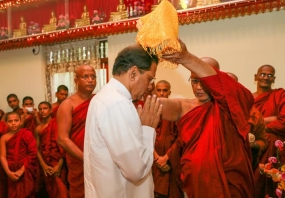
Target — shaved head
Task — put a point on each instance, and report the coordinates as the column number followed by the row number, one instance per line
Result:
column 164, row 82
column 212, row 62
column 267, row 66
column 233, row 76
column 79, row 69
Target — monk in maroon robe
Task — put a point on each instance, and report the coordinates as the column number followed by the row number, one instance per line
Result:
column 32, row 119
column 271, row 103
column 49, row 154
column 3, row 175
column 259, row 143
column 71, row 117
column 165, row 177
column 18, row 158
column 213, row 131
column 61, row 94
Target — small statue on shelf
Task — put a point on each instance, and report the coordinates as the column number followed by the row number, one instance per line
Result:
column 53, row 19
column 121, row 13
column 22, row 31
column 52, row 24
column 84, row 20
column 206, row 2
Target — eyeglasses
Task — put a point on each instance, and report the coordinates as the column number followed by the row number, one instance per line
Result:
column 86, row 77
column 151, row 78
column 268, row 75
column 194, row 81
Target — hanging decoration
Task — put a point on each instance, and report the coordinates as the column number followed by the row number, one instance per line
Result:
column 190, row 16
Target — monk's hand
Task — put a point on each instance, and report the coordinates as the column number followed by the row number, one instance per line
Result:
column 13, row 176
column 178, row 57
column 150, row 114
column 48, row 170
column 57, row 170
column 35, row 111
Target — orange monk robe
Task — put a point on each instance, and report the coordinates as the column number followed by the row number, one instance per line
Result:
column 3, row 176
column 54, row 111
column 75, row 166
column 271, row 103
column 165, row 183
column 55, row 186
column 258, row 130
column 213, row 140
column 22, row 150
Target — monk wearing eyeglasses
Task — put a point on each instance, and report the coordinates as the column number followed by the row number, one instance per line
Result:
column 71, row 117
column 213, row 131
column 271, row 103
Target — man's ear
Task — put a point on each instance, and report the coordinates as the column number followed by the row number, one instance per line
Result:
column 255, row 77
column 133, row 72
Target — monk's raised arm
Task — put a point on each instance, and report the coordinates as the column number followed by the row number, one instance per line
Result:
column 172, row 109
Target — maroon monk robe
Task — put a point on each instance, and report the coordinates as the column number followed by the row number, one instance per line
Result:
column 55, row 186
column 271, row 103
column 75, row 166
column 3, row 176
column 31, row 122
column 22, row 150
column 165, row 182
column 54, row 111
column 216, row 159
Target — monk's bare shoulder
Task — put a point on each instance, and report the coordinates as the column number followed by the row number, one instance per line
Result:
column 6, row 137
column 187, row 105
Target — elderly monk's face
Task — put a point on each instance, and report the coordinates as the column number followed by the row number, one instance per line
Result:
column 198, row 89
column 141, row 81
column 85, row 78
column 265, row 77
column 13, row 103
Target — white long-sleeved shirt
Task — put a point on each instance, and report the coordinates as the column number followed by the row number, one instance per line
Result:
column 118, row 150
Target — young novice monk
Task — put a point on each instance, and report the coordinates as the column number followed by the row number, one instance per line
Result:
column 18, row 158
column 49, row 155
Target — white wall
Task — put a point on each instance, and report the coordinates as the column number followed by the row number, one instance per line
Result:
column 22, row 73
column 241, row 45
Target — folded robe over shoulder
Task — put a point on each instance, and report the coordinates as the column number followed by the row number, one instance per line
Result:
column 214, row 143
column 50, row 151
column 75, row 166
column 22, row 150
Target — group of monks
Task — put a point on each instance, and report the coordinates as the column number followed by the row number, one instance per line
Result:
column 202, row 146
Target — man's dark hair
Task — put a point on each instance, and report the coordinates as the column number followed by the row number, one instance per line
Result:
column 11, row 113
column 12, row 96
column 46, row 103
column 133, row 55
column 62, row 87
column 27, row 98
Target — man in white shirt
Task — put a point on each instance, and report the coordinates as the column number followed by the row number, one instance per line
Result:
column 119, row 140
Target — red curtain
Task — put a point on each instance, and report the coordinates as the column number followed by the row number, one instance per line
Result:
column 40, row 12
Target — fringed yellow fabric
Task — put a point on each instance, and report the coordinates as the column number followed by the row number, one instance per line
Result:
column 158, row 32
